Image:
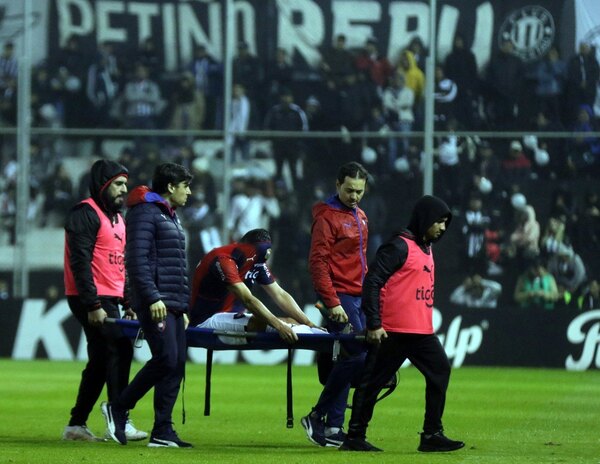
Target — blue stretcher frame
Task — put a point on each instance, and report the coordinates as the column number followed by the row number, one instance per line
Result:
column 209, row 339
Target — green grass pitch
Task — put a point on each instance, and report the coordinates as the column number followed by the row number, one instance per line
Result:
column 504, row 416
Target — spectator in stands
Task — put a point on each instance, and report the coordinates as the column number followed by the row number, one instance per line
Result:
column 9, row 65
column 569, row 271
column 377, row 123
column 188, row 106
column 44, row 99
column 4, row 290
column 330, row 97
column 475, row 222
column 68, row 73
column 204, row 181
column 134, row 160
column 9, row 70
column 314, row 114
column 253, row 207
column 142, row 99
column 584, row 150
column 525, row 237
column 460, row 66
column 504, row 79
column 182, row 154
column 483, row 174
column 59, row 196
column 419, row 51
column 583, row 73
column 477, row 292
column 8, row 210
column 101, row 92
column 448, row 161
column 536, row 288
column 8, row 103
column 375, row 65
column 248, row 71
column 279, row 75
column 564, row 205
column 550, row 75
column 590, row 296
column 557, row 163
column 356, row 96
column 375, row 207
column 587, row 230
column 516, row 167
column 207, row 75
column 554, row 237
column 202, row 225
column 398, row 102
column 44, row 159
column 337, row 61
column 111, row 62
column 148, row 55
column 240, row 120
column 291, row 239
column 320, row 160
column 445, row 93
column 414, row 77
column 287, row 116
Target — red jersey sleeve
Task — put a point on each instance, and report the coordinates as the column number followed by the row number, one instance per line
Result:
column 227, row 270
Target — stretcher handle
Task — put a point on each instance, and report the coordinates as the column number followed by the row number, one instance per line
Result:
column 229, row 333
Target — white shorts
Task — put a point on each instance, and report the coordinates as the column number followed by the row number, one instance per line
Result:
column 237, row 322
column 229, row 323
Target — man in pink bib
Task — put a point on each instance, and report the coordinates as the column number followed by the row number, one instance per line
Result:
column 95, row 286
column 397, row 300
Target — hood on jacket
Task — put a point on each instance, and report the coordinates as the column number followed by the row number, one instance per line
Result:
column 426, row 212
column 410, row 58
column 333, row 202
column 144, row 194
column 103, row 172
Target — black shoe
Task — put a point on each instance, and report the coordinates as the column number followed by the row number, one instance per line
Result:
column 357, row 444
column 169, row 440
column 438, row 442
column 314, row 425
column 115, row 422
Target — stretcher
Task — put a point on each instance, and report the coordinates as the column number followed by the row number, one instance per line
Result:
column 211, row 340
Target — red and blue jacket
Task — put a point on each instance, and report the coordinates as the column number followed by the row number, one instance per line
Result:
column 338, row 260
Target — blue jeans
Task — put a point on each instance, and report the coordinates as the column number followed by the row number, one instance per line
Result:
column 334, row 397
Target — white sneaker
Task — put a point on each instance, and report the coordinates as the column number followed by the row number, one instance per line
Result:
column 79, row 433
column 132, row 433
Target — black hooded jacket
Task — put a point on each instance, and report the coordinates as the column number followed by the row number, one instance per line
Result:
column 82, row 226
column 392, row 255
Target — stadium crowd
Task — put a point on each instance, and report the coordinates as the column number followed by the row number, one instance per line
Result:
column 526, row 205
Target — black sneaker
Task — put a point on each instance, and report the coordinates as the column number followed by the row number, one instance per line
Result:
column 357, row 444
column 438, row 442
column 169, row 440
column 115, row 422
column 315, row 429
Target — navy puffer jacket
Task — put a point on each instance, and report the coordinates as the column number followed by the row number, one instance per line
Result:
column 155, row 253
